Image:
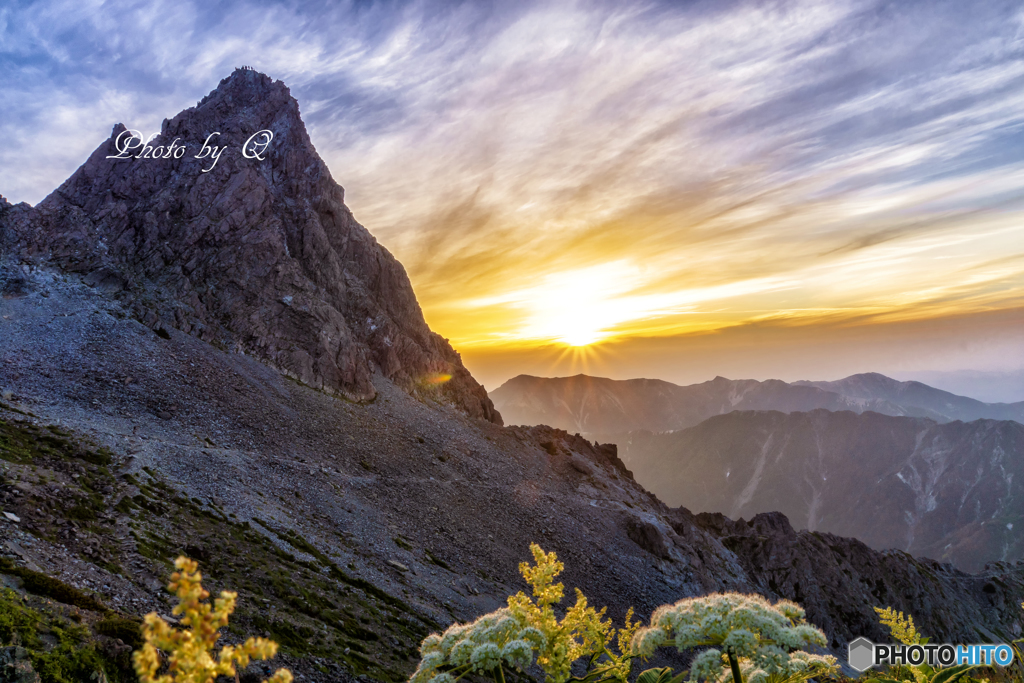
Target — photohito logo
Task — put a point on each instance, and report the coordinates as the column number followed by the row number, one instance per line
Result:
column 863, row 654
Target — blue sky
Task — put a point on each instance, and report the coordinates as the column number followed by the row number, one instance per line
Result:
column 579, row 172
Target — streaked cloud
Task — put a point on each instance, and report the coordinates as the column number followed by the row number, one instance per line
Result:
column 578, row 171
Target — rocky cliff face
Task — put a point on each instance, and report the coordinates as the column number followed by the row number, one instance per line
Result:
column 258, row 256
column 950, row 491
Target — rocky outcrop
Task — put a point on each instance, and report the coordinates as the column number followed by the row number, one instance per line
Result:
column 15, row 666
column 648, row 537
column 256, row 255
column 560, row 442
column 7, row 213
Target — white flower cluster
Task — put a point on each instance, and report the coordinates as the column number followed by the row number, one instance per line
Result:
column 491, row 641
column 800, row 665
column 760, row 635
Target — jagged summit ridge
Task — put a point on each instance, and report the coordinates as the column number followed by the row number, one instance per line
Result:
column 256, row 254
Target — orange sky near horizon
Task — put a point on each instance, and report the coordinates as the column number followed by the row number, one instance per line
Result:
column 848, row 266
column 988, row 342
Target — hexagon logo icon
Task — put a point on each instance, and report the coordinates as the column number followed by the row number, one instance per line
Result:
column 861, row 655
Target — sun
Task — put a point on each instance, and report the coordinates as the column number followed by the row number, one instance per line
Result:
column 591, row 358
column 578, row 307
column 581, row 338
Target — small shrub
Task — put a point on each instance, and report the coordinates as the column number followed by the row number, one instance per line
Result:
column 512, row 636
column 433, row 559
column 902, row 629
column 100, row 456
column 82, row 512
column 128, row 630
column 190, row 658
column 41, row 584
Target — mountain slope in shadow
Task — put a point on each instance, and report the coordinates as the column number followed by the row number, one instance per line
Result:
column 950, row 491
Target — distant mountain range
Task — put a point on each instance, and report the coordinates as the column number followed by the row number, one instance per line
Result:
column 597, row 405
column 952, row 492
column 894, row 464
column 992, row 386
column 919, row 399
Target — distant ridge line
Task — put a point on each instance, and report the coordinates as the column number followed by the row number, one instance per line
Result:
column 590, row 404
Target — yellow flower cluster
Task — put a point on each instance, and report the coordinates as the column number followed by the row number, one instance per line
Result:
column 189, row 657
column 583, row 632
column 902, row 628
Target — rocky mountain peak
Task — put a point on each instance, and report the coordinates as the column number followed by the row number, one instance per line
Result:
column 248, row 85
column 227, row 225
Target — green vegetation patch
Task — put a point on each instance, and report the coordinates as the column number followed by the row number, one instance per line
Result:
column 127, row 629
column 60, row 650
column 23, row 442
column 46, row 586
column 433, row 559
column 44, row 453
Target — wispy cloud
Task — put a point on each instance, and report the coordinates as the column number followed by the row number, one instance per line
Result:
column 710, row 163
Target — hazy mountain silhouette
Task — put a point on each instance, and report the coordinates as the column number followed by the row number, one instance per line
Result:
column 597, row 405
